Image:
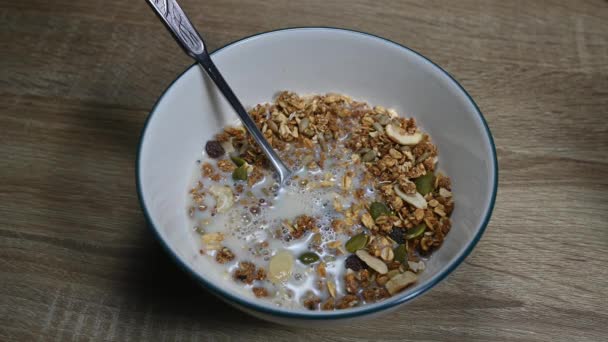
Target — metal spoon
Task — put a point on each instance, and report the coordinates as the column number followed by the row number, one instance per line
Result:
column 190, row 40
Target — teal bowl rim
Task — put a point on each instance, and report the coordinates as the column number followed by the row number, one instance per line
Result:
column 320, row 315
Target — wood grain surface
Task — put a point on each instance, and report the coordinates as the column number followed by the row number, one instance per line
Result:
column 77, row 79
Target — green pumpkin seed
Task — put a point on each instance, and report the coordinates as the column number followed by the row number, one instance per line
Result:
column 240, row 173
column 377, row 209
column 383, row 119
column 356, row 243
column 368, row 156
column 308, row 258
column 237, row 160
column 424, row 184
column 400, row 253
column 379, row 128
column 415, row 232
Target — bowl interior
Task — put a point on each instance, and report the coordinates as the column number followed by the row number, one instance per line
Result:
column 315, row 60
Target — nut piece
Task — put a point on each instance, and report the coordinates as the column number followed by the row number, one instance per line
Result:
column 375, row 263
column 400, row 136
column 224, row 198
column 416, row 199
column 400, row 281
column 280, row 266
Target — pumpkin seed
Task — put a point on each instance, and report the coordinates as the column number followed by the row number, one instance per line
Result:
column 356, row 243
column 368, row 156
column 377, row 209
column 240, row 173
column 308, row 258
column 415, row 232
column 401, row 253
column 378, row 128
column 424, row 184
column 383, row 119
column 237, row 160
column 279, row 268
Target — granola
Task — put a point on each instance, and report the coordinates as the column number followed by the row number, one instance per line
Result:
column 365, row 209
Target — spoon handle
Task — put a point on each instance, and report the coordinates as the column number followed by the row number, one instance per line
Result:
column 179, row 25
column 190, row 40
column 283, row 171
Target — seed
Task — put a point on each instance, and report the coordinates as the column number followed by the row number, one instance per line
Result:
column 415, row 232
column 240, row 173
column 356, row 243
column 424, row 184
column 400, row 253
column 237, row 160
column 378, row 128
column 368, row 156
column 377, row 209
column 308, row 258
column 373, row 262
column 383, row 119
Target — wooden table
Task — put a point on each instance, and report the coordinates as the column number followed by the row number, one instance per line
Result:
column 79, row 77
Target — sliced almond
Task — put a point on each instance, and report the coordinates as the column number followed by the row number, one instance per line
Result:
column 416, row 199
column 373, row 262
column 400, row 281
column 401, row 137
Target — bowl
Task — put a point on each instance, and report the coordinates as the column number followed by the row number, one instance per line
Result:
column 315, row 60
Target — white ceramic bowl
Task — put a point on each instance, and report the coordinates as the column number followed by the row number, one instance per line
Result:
column 315, row 60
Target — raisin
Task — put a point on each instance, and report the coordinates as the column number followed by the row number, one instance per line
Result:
column 398, row 235
column 354, row 263
column 214, row 149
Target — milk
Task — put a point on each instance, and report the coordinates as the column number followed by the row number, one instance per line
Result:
column 245, row 230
